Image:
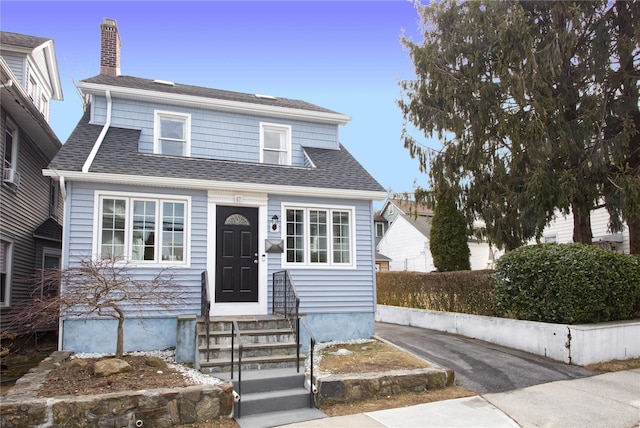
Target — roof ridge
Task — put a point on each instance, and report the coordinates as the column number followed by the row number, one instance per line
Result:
column 145, row 83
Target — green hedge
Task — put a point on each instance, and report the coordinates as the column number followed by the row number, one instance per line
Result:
column 567, row 283
column 468, row 292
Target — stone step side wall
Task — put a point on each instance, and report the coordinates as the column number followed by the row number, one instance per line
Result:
column 165, row 407
column 350, row 388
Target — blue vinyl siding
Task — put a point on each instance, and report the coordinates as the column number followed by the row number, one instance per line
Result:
column 79, row 246
column 329, row 290
column 216, row 134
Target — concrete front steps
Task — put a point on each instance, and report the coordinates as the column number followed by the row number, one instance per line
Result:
column 273, row 390
column 268, row 342
column 272, row 397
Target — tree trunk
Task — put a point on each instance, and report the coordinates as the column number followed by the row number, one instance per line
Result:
column 120, row 331
column 634, row 236
column 581, row 224
column 120, row 338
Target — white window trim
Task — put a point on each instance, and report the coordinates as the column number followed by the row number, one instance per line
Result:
column 9, row 261
column 330, row 264
column 279, row 127
column 159, row 199
column 158, row 114
column 13, row 128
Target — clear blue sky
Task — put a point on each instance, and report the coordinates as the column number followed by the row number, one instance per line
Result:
column 345, row 56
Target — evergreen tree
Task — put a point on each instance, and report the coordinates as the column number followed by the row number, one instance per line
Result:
column 448, row 236
column 523, row 96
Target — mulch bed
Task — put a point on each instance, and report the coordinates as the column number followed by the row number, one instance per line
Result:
column 70, row 379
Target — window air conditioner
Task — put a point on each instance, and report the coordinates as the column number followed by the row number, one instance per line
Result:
column 11, row 176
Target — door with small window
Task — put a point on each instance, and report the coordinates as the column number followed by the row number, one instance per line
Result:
column 236, row 254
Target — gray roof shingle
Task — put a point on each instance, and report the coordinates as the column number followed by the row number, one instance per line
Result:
column 50, row 229
column 22, row 40
column 118, row 154
column 181, row 89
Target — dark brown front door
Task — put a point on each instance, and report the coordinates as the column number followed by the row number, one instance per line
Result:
column 237, row 254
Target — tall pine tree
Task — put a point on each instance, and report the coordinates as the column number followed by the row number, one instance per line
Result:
column 522, row 95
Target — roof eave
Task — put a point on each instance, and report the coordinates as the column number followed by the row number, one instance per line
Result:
column 52, row 67
column 189, row 183
column 23, row 109
column 213, row 103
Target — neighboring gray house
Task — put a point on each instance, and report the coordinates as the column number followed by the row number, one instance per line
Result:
column 30, row 211
column 163, row 174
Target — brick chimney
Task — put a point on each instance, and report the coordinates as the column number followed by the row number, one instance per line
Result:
column 109, row 48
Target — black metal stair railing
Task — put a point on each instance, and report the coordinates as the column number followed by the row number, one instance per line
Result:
column 205, row 307
column 286, row 302
column 312, row 345
column 236, row 338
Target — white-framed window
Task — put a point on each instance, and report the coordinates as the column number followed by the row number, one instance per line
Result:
column 44, row 107
column 6, row 256
column 10, row 145
column 10, row 174
column 275, row 144
column 33, row 90
column 379, row 229
column 319, row 236
column 143, row 229
column 172, row 134
column 549, row 239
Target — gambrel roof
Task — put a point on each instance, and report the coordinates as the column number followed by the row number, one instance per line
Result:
column 118, row 156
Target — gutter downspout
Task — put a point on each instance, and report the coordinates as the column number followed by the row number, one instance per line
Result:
column 98, row 143
column 63, row 188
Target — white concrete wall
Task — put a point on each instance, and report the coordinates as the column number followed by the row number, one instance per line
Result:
column 572, row 344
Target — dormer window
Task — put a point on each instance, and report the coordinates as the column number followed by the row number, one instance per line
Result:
column 275, row 144
column 33, row 89
column 172, row 134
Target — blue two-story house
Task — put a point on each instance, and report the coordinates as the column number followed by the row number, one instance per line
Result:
column 167, row 175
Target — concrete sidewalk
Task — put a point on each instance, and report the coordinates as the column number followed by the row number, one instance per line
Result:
column 610, row 400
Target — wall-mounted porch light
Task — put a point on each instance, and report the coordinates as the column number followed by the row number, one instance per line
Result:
column 275, row 223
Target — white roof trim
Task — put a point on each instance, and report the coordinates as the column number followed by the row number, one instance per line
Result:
column 218, row 185
column 213, row 103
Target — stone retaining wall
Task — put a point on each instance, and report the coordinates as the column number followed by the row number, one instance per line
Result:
column 349, row 388
column 158, row 408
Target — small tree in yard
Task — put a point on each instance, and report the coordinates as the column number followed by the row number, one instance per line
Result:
column 97, row 288
column 448, row 236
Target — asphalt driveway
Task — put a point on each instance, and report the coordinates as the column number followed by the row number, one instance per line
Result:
column 480, row 366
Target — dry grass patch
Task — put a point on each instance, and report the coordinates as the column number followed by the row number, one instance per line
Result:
column 396, row 401
column 615, row 365
column 367, row 357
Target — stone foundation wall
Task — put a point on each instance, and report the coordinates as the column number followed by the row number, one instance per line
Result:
column 165, row 407
column 349, row 388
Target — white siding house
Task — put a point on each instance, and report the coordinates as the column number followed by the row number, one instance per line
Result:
column 560, row 230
